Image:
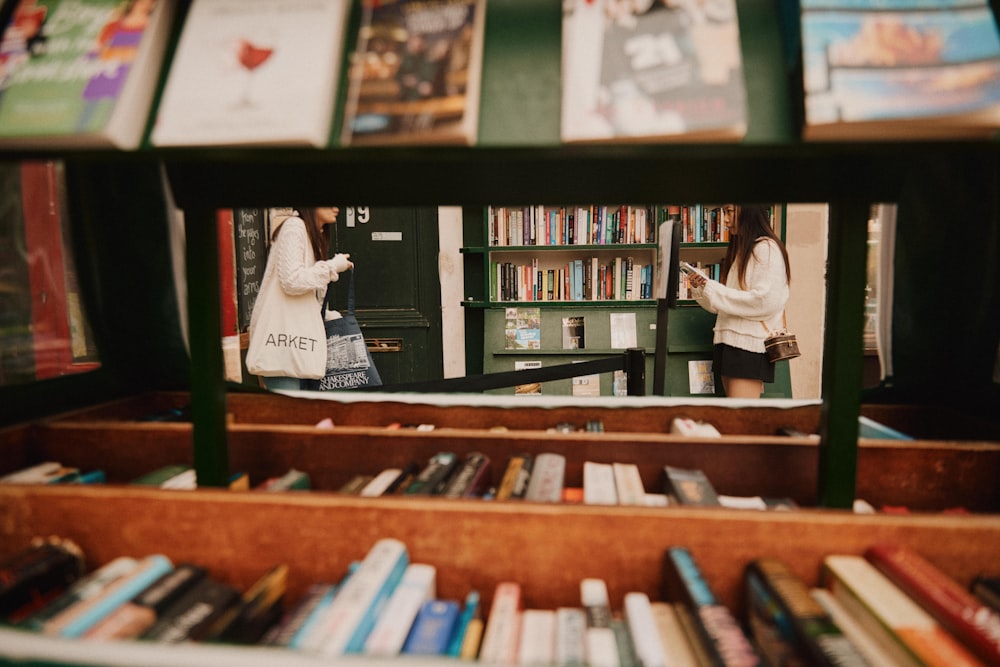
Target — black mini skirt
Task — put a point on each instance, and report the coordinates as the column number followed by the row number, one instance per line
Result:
column 733, row 362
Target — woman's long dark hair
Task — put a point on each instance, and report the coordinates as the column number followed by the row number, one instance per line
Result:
column 320, row 240
column 753, row 222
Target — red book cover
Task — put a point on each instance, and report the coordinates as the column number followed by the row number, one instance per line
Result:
column 227, row 271
column 960, row 612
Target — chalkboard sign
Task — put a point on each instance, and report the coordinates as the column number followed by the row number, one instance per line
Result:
column 251, row 258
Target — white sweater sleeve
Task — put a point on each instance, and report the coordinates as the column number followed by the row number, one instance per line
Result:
column 766, row 287
column 297, row 274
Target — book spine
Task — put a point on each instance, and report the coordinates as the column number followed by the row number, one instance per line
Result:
column 501, row 632
column 642, row 627
column 356, row 607
column 469, row 477
column 83, row 589
column 434, row 473
column 124, row 589
column 892, row 614
column 416, row 587
column 953, row 606
column 381, row 483
column 689, row 486
column 570, row 642
column 470, row 610
column 867, row 644
column 546, row 481
column 675, row 641
column 537, row 641
column 190, row 617
column 599, row 484
column 720, row 634
column 432, row 628
column 784, row 610
column 601, row 645
column 627, row 656
column 281, row 633
column 628, row 484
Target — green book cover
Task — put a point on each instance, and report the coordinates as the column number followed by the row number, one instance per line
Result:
column 65, row 66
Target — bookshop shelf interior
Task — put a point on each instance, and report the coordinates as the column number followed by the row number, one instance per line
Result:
column 912, row 460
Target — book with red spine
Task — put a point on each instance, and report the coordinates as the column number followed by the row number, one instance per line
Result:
column 954, row 607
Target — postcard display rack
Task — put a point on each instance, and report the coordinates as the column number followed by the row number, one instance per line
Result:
column 239, row 535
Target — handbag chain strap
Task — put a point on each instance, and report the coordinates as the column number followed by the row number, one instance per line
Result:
column 784, row 322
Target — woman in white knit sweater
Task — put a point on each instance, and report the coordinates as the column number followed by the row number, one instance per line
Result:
column 298, row 261
column 749, row 300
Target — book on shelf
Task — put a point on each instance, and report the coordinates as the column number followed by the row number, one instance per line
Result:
column 501, row 632
column 545, row 485
column 293, row 620
column 599, row 484
column 689, row 486
column 192, row 615
column 514, row 482
column 381, row 482
column 470, row 479
column 432, row 628
column 349, row 619
column 570, row 632
column 173, row 475
column 80, row 73
column 975, row 624
column 79, row 617
column 308, row 625
column 644, row 632
column 869, row 428
column 866, row 643
column 253, row 73
column 627, row 656
column 293, row 480
column 418, row 586
column 523, row 329
column 661, row 73
column 415, row 73
column 255, row 612
column 37, row 574
column 139, row 614
column 673, row 636
column 433, row 477
column 910, row 70
column 471, row 610
column 47, row 472
column 536, row 644
column 717, row 631
column 80, row 587
column 987, row 589
column 628, row 483
column 901, row 627
column 600, row 643
column 574, row 332
column 701, row 379
column 356, row 484
column 789, row 626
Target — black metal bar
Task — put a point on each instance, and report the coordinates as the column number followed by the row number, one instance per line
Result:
column 480, row 383
column 208, row 386
column 635, row 371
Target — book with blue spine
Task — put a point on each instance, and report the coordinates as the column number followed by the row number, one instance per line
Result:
column 719, row 633
column 417, row 586
column 150, row 569
column 470, row 610
column 433, row 628
column 356, row 607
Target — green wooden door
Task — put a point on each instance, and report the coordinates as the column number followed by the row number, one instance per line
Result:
column 397, row 288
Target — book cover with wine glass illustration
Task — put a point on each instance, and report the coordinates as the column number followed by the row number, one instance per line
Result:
column 253, row 73
column 80, row 73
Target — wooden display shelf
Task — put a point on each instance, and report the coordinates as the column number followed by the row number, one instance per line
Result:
column 268, row 434
column 547, row 548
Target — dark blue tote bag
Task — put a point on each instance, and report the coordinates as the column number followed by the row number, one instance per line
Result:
column 349, row 364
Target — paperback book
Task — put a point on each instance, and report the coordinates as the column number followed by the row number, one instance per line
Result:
column 415, row 74
column 664, row 72
column 253, row 73
column 80, row 73
column 910, row 70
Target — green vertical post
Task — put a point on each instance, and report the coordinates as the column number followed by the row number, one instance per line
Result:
column 208, row 387
column 843, row 352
